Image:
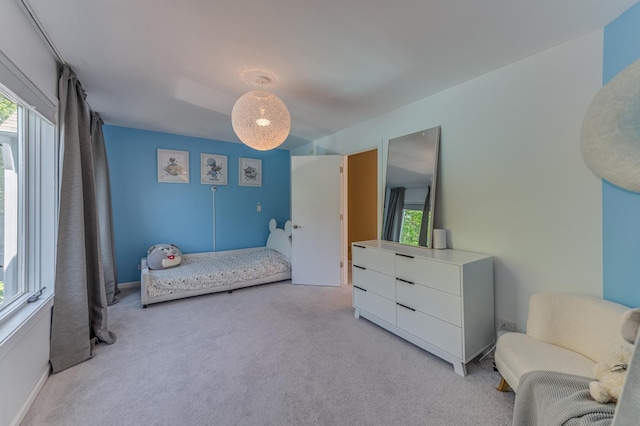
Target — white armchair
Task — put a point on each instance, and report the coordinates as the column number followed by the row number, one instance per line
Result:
column 568, row 333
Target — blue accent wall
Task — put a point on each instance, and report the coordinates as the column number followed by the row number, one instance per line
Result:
column 621, row 208
column 147, row 212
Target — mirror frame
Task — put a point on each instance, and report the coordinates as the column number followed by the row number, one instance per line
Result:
column 432, row 191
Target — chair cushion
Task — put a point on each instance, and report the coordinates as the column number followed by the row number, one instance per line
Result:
column 584, row 324
column 518, row 353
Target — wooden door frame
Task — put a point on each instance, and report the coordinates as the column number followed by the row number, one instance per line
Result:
column 344, row 251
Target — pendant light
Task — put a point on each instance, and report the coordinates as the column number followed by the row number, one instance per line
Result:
column 610, row 135
column 260, row 119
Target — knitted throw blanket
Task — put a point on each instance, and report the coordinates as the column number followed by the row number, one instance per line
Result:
column 549, row 398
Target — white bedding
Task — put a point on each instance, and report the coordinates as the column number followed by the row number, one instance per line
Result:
column 204, row 273
column 206, row 270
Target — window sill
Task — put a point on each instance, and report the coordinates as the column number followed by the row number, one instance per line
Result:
column 18, row 324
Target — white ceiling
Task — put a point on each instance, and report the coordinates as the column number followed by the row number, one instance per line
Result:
column 179, row 66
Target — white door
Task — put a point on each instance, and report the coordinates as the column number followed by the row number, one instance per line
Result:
column 315, row 213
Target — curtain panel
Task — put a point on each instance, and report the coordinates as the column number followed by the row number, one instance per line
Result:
column 393, row 222
column 424, row 225
column 85, row 265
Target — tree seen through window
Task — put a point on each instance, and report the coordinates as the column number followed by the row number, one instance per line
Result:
column 411, row 222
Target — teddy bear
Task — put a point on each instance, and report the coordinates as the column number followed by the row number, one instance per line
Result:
column 610, row 375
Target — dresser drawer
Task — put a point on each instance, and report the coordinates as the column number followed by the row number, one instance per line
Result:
column 432, row 330
column 436, row 303
column 381, row 307
column 438, row 275
column 384, row 285
column 375, row 259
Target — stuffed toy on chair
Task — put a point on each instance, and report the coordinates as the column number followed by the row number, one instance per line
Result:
column 163, row 256
column 610, row 375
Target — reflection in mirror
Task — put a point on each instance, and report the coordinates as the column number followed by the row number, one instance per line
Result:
column 410, row 190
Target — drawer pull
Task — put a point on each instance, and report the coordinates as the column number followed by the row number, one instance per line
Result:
column 405, row 306
column 359, row 288
column 360, row 267
column 356, row 245
column 405, row 255
column 405, row 281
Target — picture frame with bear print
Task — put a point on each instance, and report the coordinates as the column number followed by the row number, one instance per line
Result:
column 249, row 172
column 173, row 166
column 213, row 169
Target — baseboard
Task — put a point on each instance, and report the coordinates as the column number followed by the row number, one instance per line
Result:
column 32, row 397
column 129, row 284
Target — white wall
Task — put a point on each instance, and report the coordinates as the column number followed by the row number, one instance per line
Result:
column 23, row 46
column 24, row 339
column 24, row 363
column 512, row 182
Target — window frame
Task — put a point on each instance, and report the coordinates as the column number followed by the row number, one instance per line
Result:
column 37, row 142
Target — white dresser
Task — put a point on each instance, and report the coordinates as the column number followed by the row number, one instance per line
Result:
column 439, row 300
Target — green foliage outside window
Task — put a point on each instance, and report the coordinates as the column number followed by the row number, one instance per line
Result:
column 1, row 190
column 411, row 221
column 7, row 108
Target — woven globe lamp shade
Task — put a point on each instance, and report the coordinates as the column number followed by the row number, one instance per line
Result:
column 261, row 120
column 610, row 136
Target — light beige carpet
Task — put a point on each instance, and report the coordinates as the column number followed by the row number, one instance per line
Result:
column 276, row 354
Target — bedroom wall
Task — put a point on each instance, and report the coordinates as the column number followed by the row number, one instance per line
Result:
column 146, row 212
column 24, row 47
column 512, row 181
column 621, row 208
column 24, row 340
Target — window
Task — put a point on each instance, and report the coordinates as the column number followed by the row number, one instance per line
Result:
column 10, row 287
column 27, row 202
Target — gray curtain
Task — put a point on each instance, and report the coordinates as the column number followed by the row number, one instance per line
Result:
column 424, row 225
column 103, row 205
column 393, row 222
column 85, row 270
column 628, row 409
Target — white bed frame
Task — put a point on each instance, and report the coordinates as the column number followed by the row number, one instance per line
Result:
column 279, row 240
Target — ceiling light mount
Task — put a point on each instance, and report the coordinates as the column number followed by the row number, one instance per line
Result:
column 262, row 80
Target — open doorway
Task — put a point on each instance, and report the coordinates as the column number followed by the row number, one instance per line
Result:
column 361, row 199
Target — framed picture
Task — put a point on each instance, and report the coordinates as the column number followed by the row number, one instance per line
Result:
column 250, row 172
column 213, row 169
column 173, row 166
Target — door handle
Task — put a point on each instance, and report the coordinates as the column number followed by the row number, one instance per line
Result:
column 296, row 226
